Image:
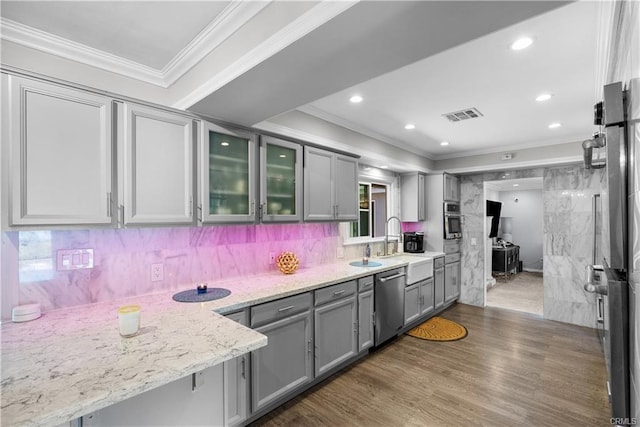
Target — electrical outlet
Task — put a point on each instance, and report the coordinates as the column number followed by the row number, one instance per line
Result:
column 473, row 241
column 272, row 257
column 157, row 272
column 340, row 252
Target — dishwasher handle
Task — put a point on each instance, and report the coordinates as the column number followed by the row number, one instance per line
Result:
column 395, row 276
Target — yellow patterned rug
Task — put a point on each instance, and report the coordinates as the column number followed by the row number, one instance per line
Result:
column 439, row 329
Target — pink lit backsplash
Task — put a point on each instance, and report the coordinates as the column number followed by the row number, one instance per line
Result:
column 123, row 258
column 410, row 227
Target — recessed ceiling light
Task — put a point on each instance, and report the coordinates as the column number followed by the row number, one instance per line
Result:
column 516, row 185
column 409, row 126
column 355, row 99
column 224, row 143
column 384, row 167
column 443, row 143
column 543, row 97
column 283, row 156
column 522, row 43
column 554, row 125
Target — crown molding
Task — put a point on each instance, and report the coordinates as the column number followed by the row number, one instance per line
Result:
column 304, row 24
column 505, row 149
column 347, row 124
column 230, row 20
column 45, row 42
column 558, row 161
column 332, row 144
column 234, row 16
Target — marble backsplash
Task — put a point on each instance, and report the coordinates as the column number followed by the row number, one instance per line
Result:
column 123, row 258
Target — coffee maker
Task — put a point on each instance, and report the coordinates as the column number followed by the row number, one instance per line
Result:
column 414, row 242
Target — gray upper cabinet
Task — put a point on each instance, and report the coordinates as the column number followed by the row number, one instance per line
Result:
column 330, row 186
column 280, row 180
column 413, row 197
column 227, row 171
column 451, row 188
column 59, row 145
column 155, row 165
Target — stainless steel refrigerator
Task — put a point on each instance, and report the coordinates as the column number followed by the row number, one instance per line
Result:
column 608, row 276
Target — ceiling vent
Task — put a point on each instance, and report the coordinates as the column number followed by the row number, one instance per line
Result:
column 467, row 113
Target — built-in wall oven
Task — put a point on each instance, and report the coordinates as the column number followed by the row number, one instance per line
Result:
column 452, row 221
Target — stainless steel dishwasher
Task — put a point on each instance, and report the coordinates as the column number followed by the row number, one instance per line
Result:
column 389, row 304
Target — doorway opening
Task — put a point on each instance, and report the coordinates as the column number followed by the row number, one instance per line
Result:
column 514, row 253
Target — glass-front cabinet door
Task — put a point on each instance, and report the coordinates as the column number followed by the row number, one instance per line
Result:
column 227, row 175
column 280, row 180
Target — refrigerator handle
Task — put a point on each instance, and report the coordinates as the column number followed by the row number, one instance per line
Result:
column 594, row 211
column 593, row 284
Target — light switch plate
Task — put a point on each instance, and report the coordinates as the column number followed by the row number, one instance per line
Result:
column 74, row 259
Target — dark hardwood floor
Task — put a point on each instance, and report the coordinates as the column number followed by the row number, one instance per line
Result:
column 513, row 369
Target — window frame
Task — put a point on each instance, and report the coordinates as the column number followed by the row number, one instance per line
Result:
column 369, row 175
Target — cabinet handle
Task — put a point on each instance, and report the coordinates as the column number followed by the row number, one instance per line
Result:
column 122, row 214
column 286, row 308
column 261, row 211
column 395, row 276
column 200, row 213
column 109, row 204
column 309, row 346
column 243, row 371
column 253, row 209
column 336, row 293
column 190, row 206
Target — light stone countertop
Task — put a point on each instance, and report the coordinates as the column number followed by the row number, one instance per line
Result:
column 71, row 362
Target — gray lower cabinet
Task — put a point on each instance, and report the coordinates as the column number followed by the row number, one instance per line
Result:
column 438, row 282
column 335, row 324
column 418, row 300
column 365, row 313
column 285, row 363
column 451, row 281
column 236, row 381
column 411, row 303
column 427, row 304
column 365, row 320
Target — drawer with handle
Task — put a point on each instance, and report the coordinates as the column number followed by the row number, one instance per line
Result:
column 279, row 309
column 438, row 262
column 449, row 258
column 335, row 292
column 365, row 283
column 451, row 246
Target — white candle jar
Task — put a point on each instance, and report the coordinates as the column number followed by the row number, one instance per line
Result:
column 129, row 320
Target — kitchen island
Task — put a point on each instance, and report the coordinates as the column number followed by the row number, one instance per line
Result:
column 72, row 362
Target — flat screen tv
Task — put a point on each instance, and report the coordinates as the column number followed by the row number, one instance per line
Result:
column 493, row 208
column 495, row 222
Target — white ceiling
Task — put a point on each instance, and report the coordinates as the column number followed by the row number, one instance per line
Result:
column 140, row 31
column 411, row 61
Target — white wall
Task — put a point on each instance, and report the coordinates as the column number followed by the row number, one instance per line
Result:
column 527, row 224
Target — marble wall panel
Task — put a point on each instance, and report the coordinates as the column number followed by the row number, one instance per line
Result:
column 123, row 258
column 567, row 239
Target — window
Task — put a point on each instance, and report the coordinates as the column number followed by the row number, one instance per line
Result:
column 373, row 211
column 377, row 195
column 35, row 256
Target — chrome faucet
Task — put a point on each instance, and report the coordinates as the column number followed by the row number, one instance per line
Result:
column 386, row 234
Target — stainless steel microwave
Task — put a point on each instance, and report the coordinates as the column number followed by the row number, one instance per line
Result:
column 452, row 221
